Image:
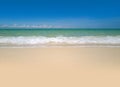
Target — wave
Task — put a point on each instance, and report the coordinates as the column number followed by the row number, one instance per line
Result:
column 60, row 40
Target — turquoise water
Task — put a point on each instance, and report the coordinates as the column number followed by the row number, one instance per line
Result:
column 59, row 32
column 50, row 37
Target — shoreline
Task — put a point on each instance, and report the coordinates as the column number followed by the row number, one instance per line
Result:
column 63, row 46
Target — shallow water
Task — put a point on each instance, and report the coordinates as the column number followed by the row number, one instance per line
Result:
column 63, row 37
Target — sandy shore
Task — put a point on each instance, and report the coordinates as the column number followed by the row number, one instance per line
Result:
column 60, row 67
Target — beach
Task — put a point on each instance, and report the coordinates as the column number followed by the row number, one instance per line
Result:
column 60, row 67
column 59, row 43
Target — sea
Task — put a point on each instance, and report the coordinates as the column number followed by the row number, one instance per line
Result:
column 73, row 37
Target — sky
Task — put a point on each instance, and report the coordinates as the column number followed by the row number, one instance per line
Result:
column 61, row 13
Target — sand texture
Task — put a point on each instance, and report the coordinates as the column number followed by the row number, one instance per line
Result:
column 60, row 67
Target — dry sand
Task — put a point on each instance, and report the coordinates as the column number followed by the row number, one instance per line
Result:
column 60, row 67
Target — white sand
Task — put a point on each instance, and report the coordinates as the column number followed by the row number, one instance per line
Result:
column 60, row 67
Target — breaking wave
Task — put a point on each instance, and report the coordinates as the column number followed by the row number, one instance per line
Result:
column 60, row 40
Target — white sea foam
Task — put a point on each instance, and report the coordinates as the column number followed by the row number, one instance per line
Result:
column 60, row 40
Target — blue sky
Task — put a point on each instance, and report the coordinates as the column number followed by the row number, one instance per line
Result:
column 66, row 13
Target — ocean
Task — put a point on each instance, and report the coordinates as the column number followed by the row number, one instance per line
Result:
column 59, row 37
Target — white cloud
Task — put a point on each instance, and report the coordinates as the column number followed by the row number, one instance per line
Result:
column 70, row 23
column 28, row 26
